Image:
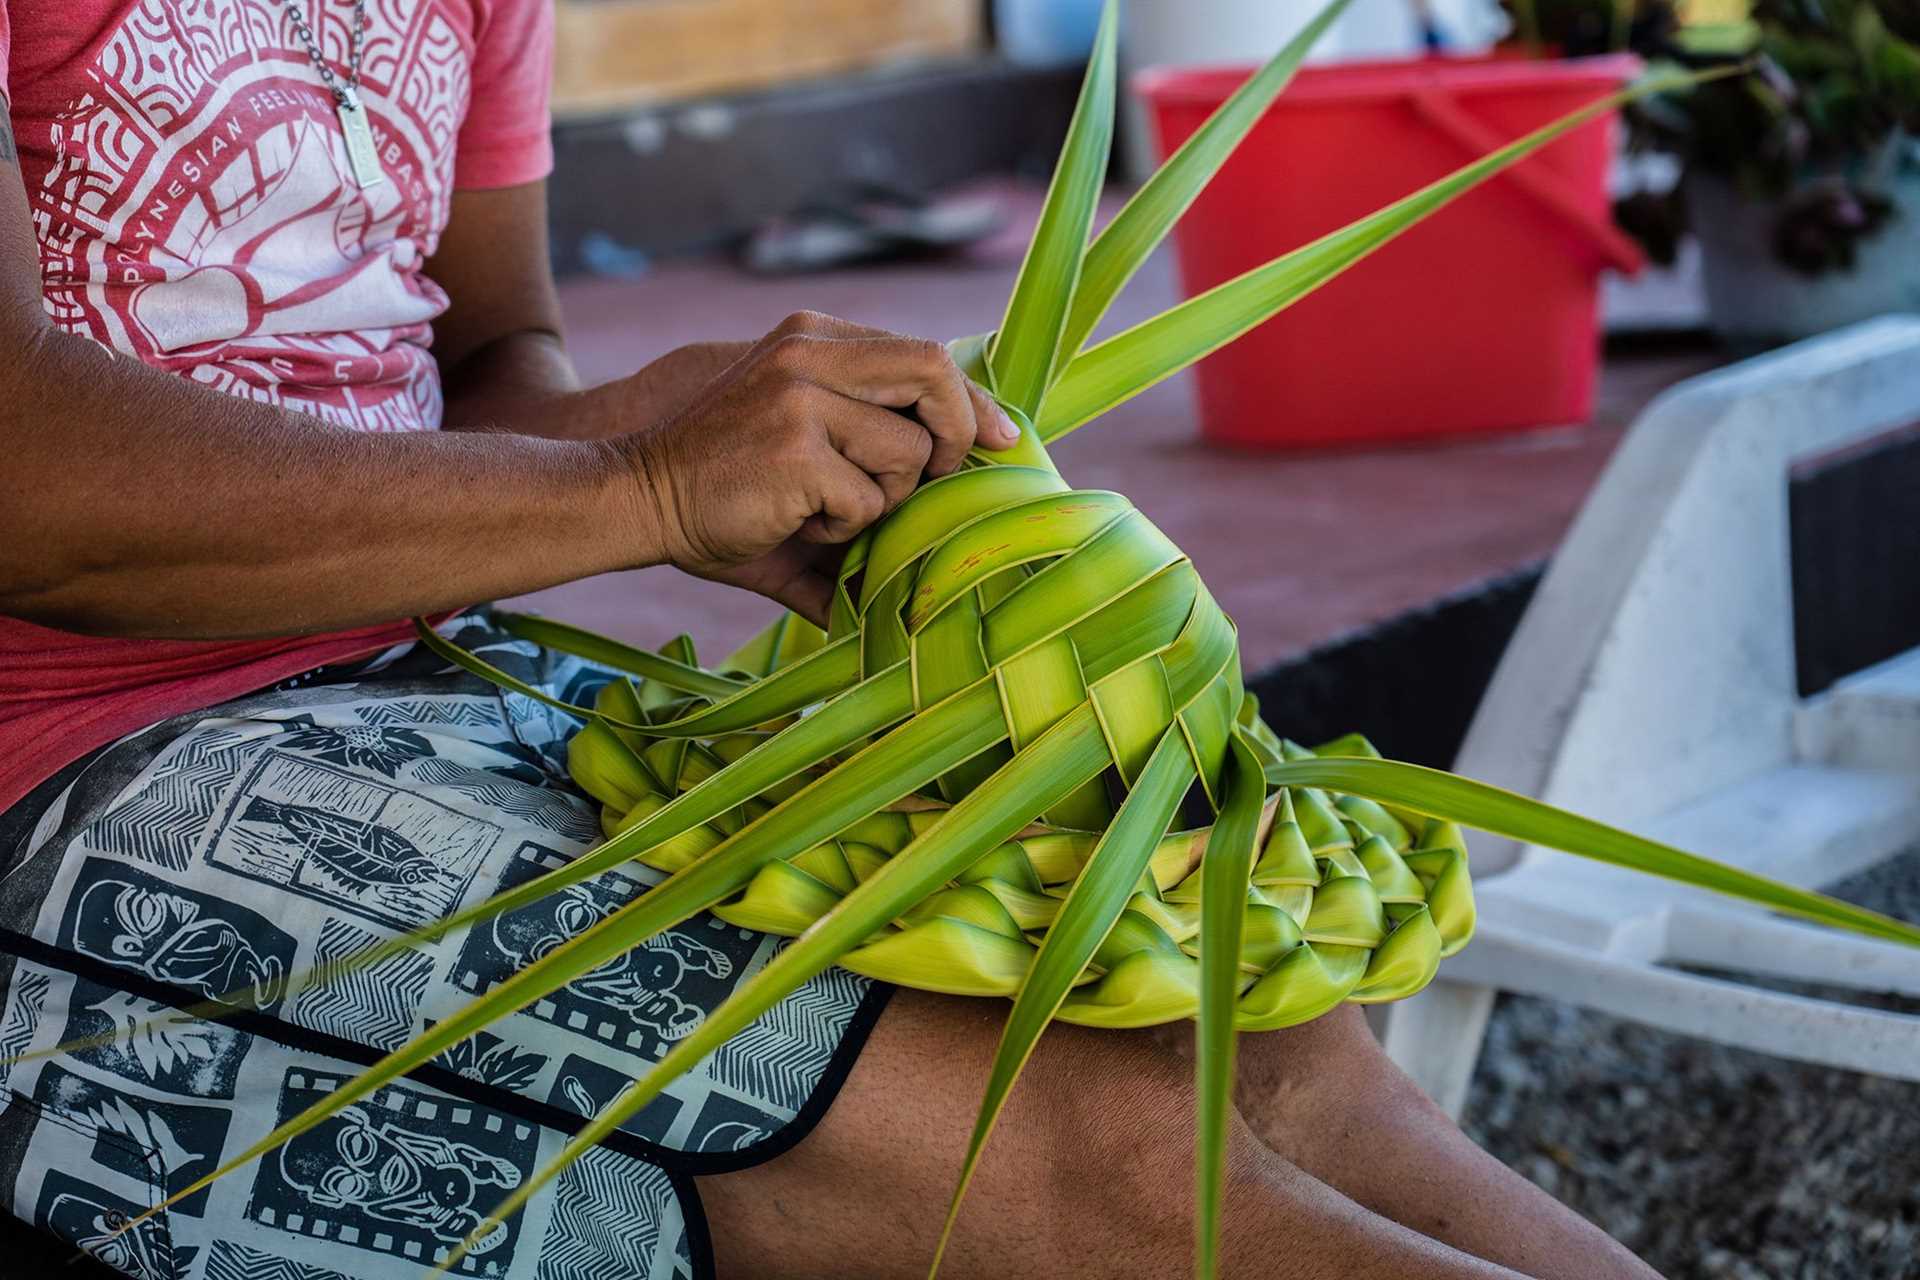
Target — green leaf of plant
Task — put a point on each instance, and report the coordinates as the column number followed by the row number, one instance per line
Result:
column 1225, row 869
column 1098, row 896
column 970, row 354
column 1475, row 804
column 1022, row 356
column 782, row 642
column 608, row 652
column 1124, row 243
column 1061, row 759
column 1130, row 362
column 820, row 674
column 940, row 510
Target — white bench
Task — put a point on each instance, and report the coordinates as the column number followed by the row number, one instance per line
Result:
column 1652, row 685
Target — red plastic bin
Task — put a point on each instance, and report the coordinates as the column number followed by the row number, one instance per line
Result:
column 1483, row 318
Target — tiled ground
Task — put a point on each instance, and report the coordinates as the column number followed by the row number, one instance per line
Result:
column 1296, row 547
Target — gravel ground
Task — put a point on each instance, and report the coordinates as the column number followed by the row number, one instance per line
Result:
column 1712, row 1162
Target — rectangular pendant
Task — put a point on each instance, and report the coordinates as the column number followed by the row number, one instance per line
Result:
column 360, row 153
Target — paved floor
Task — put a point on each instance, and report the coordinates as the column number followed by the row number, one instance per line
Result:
column 1297, row 547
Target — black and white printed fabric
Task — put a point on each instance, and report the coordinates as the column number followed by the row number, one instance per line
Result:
column 232, row 849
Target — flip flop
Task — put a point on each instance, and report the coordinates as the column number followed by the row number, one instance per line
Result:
column 868, row 222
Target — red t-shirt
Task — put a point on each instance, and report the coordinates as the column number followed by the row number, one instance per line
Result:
column 195, row 208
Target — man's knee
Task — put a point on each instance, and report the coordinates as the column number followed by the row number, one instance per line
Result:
column 1326, row 1082
column 1098, row 1133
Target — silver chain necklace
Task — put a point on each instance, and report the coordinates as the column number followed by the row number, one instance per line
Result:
column 361, row 156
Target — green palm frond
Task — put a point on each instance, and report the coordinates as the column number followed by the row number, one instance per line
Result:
column 1124, row 244
column 1019, row 762
column 1025, row 350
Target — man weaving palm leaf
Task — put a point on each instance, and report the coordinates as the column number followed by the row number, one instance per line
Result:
column 287, row 370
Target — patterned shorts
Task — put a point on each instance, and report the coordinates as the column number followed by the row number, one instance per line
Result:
column 235, row 847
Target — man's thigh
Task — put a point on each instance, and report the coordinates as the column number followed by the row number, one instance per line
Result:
column 235, row 850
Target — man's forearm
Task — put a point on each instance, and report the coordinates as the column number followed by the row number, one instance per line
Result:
column 136, row 503
column 522, row 383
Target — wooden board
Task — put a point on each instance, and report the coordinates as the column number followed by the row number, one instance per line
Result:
column 615, row 53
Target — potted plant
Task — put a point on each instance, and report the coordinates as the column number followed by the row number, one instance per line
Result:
column 1800, row 179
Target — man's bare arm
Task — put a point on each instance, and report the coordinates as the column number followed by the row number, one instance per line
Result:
column 135, row 503
column 503, row 360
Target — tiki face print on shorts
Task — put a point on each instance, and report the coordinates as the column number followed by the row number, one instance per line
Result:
column 408, row 1173
column 644, row 999
column 175, row 936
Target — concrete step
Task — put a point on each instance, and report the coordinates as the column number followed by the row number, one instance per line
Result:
column 1870, row 720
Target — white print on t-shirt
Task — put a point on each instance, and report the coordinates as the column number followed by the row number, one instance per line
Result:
column 201, row 214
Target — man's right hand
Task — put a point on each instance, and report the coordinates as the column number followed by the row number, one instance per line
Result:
column 821, row 428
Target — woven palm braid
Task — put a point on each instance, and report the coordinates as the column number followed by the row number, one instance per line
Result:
column 1000, row 596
